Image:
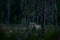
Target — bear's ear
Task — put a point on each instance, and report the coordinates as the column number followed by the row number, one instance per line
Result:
column 31, row 23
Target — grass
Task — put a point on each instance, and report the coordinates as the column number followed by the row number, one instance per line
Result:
column 50, row 34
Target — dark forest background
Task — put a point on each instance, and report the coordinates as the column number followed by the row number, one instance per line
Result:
column 13, row 11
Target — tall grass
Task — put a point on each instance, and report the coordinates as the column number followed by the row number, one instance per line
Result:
column 49, row 34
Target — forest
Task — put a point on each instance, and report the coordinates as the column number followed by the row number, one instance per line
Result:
column 29, row 19
column 13, row 11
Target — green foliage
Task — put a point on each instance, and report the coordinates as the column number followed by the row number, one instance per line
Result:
column 3, row 35
column 14, row 18
column 49, row 35
column 13, row 36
